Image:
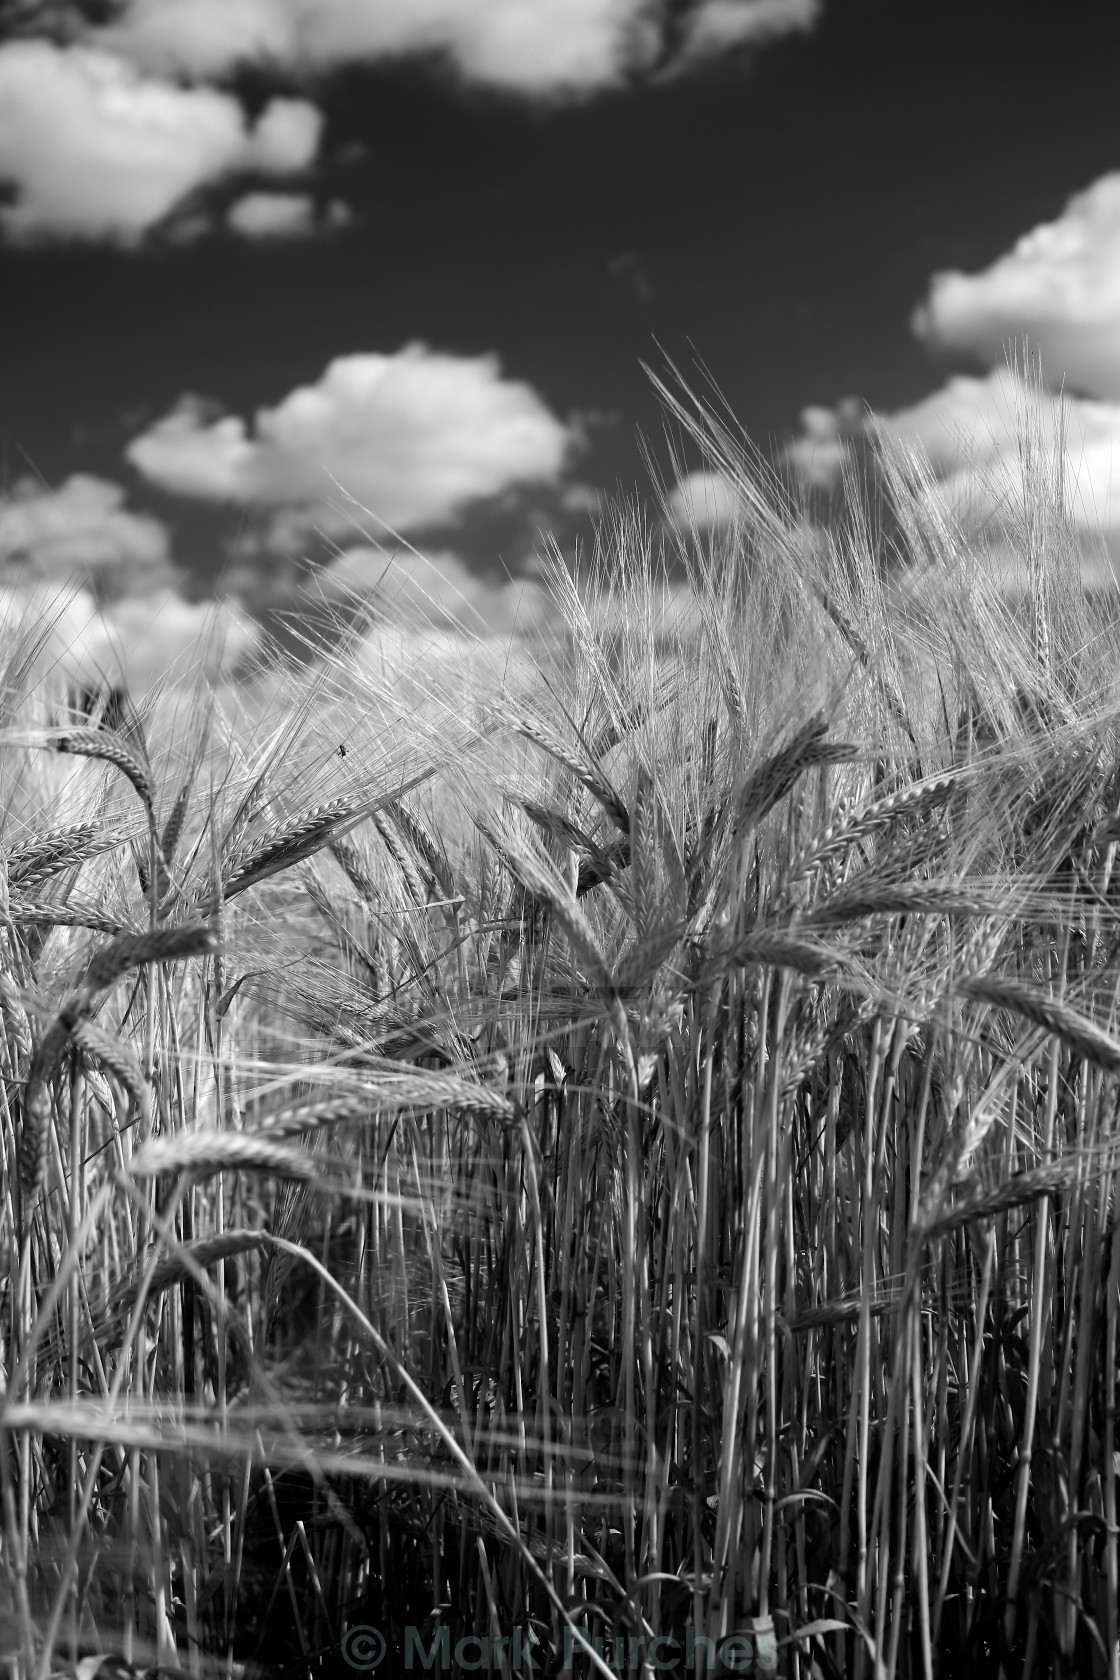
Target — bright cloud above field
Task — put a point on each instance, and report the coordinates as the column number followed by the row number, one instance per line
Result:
column 970, row 433
column 529, row 47
column 720, row 26
column 701, row 500
column 260, row 215
column 151, row 640
column 1059, row 286
column 81, row 528
column 412, row 437
column 101, row 140
column 433, row 589
column 160, row 637
column 96, row 150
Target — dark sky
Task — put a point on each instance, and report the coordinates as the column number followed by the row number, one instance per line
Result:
column 779, row 219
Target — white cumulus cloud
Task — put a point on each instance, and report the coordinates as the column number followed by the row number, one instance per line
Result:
column 971, row 432
column 97, row 150
column 159, row 638
column 83, row 527
column 533, row 47
column 1059, row 286
column 436, row 589
column 261, row 215
column 150, row 641
column 719, row 26
column 412, row 437
column 701, row 500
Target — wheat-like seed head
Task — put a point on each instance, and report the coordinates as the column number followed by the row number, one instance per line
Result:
column 643, row 864
column 400, row 856
column 858, row 825
column 845, row 1310
column 386, row 1094
column 537, row 881
column 200, row 1253
column 29, row 912
column 1054, row 1014
column 35, row 1130
column 34, row 1137
column 31, row 862
column 940, row 1216
column 286, row 843
column 347, row 856
column 590, row 775
column 597, row 863
column 861, row 899
column 766, row 786
column 16, row 1026
column 203, row 1152
column 101, row 743
column 133, row 950
column 777, row 947
column 425, row 847
column 117, row 1055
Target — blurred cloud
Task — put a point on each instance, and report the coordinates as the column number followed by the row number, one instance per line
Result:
column 436, row 589
column 1059, row 286
column 583, row 499
column 532, row 47
column 397, row 654
column 149, row 641
column 702, row 500
column 510, row 651
column 412, row 437
column 108, row 133
column 163, row 638
column 96, row 150
column 716, row 27
column 261, row 215
column 817, row 455
column 82, row 529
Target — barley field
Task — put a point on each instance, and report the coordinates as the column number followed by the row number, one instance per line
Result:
column 598, row 1162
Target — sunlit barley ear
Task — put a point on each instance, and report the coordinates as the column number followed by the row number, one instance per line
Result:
column 115, row 750
column 33, row 861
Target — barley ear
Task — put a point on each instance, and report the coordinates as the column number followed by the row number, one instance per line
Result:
column 35, row 1129
column 133, row 950
column 112, row 749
